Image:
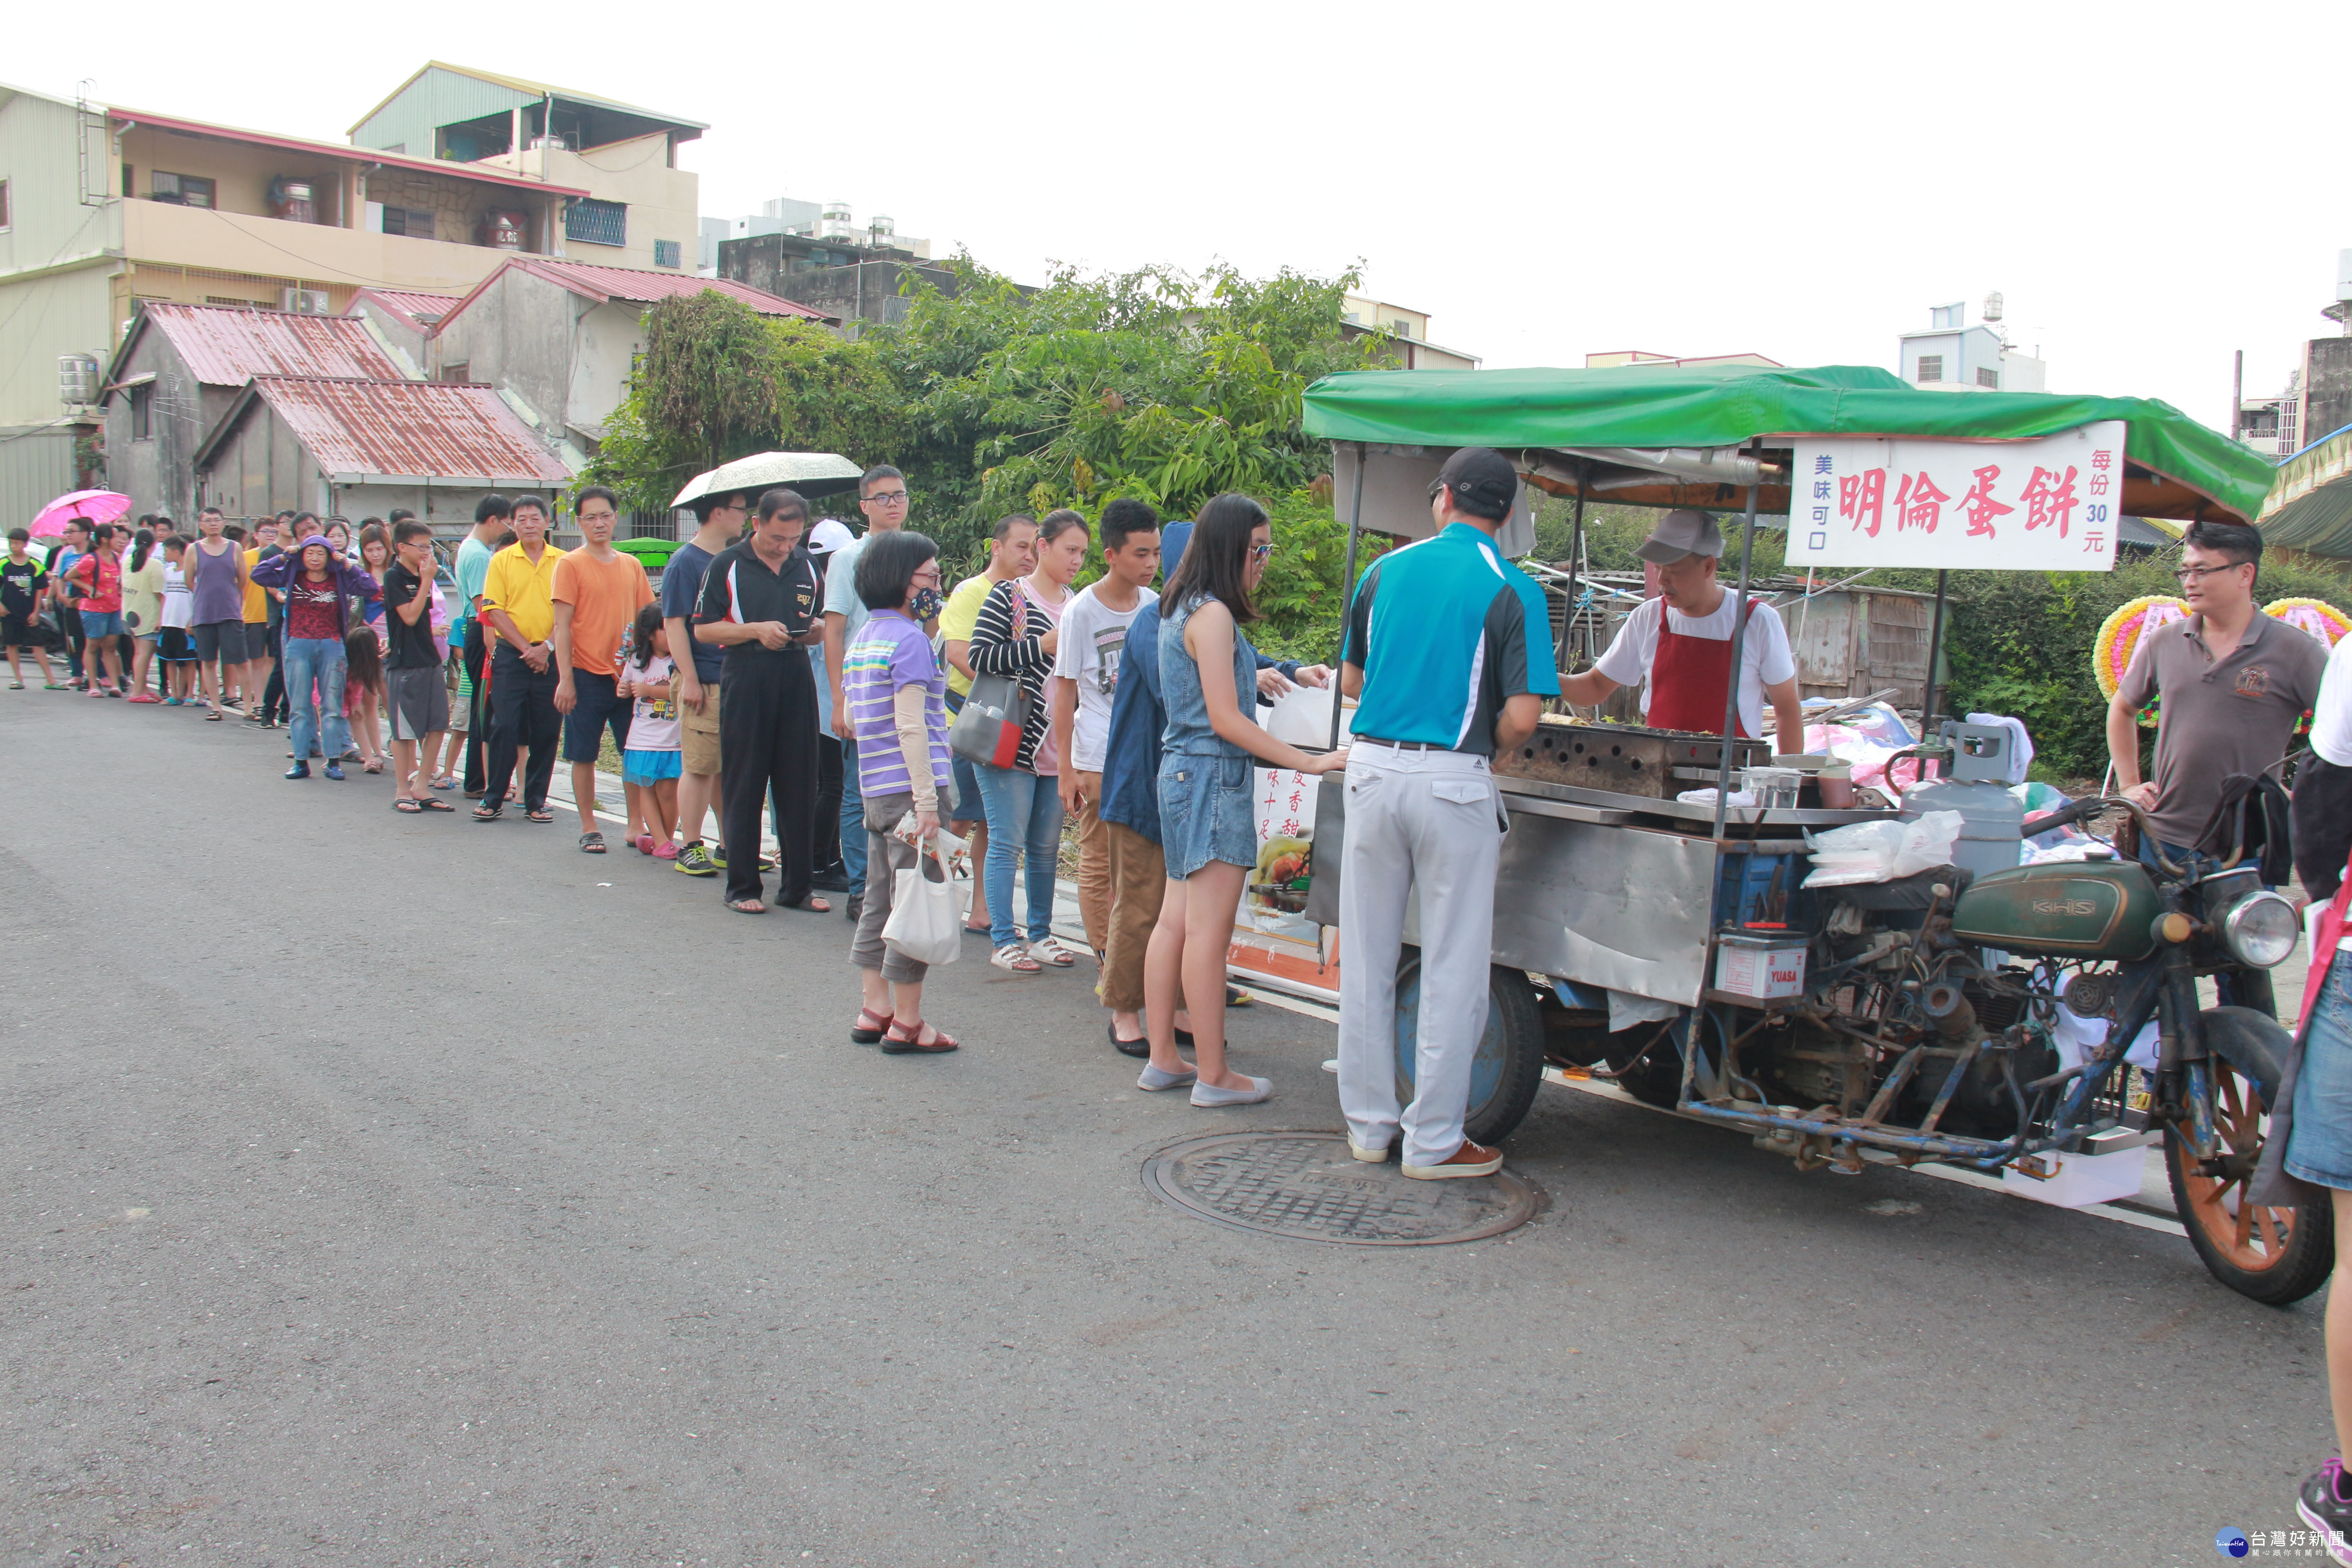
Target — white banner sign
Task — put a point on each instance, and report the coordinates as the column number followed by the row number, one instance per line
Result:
column 2049, row 504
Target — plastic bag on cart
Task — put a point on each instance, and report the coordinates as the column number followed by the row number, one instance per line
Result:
column 1883, row 851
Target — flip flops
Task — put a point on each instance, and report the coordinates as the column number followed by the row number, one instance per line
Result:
column 407, row 806
column 435, row 805
column 591, row 844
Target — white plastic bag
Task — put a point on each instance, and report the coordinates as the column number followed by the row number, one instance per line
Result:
column 926, row 920
column 1883, row 851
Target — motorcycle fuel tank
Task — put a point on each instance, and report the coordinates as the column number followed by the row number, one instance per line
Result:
column 2088, row 909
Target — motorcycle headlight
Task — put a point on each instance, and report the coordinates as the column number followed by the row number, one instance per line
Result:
column 2260, row 930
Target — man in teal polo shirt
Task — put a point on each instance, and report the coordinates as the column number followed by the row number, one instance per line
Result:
column 1449, row 647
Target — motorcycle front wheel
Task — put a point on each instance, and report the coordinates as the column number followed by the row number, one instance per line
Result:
column 2275, row 1256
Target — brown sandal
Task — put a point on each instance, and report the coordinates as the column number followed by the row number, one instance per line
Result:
column 866, row 1032
column 897, row 1044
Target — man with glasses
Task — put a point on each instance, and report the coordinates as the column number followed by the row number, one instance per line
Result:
column 882, row 497
column 696, row 684
column 2233, row 683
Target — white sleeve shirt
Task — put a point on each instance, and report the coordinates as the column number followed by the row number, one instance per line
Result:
column 2331, row 716
column 1765, row 660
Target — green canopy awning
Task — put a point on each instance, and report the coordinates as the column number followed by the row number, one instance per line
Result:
column 2178, row 468
column 2310, row 507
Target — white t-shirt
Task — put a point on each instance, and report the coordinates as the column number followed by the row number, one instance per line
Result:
column 1765, row 659
column 2331, row 716
column 1093, row 637
column 179, row 604
column 653, row 721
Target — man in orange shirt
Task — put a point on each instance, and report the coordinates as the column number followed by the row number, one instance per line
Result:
column 597, row 593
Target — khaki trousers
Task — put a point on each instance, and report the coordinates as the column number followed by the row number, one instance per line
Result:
column 1138, row 877
column 1094, row 862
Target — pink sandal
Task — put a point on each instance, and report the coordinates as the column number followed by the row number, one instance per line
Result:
column 870, row 1026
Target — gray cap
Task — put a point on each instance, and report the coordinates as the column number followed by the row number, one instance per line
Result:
column 1679, row 533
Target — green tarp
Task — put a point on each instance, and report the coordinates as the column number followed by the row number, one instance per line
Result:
column 1724, row 406
column 2311, row 507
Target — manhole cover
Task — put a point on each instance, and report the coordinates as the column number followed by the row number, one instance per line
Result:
column 1308, row 1186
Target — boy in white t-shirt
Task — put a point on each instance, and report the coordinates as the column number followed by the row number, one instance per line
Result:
column 651, row 765
column 1086, row 675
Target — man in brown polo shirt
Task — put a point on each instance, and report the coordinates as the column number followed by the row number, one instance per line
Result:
column 2234, row 682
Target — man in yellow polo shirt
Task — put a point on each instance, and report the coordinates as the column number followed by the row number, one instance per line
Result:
column 518, row 609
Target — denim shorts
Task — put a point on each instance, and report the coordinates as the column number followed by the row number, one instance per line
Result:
column 97, row 623
column 1206, row 811
column 2319, row 1145
column 596, row 706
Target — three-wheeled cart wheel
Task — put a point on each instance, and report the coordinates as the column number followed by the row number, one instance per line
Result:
column 2275, row 1256
column 1509, row 1064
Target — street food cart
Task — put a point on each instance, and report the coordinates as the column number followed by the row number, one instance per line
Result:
column 1979, row 1012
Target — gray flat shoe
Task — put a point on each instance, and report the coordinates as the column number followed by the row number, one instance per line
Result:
column 1153, row 1078
column 1209, row 1098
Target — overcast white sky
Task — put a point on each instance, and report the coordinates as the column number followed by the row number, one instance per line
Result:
column 2152, row 186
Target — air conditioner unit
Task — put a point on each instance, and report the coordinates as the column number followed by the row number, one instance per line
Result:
column 305, row 301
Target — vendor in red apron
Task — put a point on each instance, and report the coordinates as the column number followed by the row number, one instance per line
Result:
column 1678, row 644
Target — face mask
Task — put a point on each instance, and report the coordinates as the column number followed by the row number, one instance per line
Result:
column 928, row 602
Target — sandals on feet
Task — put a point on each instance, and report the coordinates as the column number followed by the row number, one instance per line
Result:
column 411, row 807
column 425, row 805
column 870, row 1026
column 1014, row 959
column 591, row 844
column 543, row 815
column 488, row 812
column 1048, row 950
column 747, row 906
column 896, row 1043
column 812, row 903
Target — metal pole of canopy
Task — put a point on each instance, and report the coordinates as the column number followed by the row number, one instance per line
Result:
column 1738, row 647
column 1347, row 591
column 1575, row 558
column 1930, row 697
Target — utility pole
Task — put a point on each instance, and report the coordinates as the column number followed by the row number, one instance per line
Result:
column 2237, row 394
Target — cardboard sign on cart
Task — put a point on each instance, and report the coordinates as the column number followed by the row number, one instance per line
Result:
column 2049, row 504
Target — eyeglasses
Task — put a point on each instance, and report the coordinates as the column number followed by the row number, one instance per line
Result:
column 930, row 577
column 885, row 498
column 2188, row 574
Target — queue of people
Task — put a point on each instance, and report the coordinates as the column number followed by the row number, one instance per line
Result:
column 825, row 684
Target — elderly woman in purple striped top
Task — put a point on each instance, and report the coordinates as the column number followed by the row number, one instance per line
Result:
column 897, row 695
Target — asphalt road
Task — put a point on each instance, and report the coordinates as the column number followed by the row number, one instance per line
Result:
column 388, row 1190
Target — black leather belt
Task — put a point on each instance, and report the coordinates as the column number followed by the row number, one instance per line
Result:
column 1406, row 746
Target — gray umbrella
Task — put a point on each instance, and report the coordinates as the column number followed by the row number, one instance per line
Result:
column 812, row 474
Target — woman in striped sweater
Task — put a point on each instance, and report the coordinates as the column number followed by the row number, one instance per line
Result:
column 1018, row 633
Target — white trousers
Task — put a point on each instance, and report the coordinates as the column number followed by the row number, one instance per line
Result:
column 1432, row 820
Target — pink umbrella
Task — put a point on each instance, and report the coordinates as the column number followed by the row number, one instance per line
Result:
column 98, row 506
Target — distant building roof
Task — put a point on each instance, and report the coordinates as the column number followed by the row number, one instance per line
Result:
column 366, row 432
column 336, row 149
column 525, row 86
column 419, row 309
column 228, row 345
column 637, row 286
column 1616, row 358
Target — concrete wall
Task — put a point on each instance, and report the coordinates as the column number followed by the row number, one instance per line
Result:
column 663, row 202
column 157, row 473
column 448, row 508
column 866, row 292
column 36, row 465
column 2326, row 388
column 54, row 260
column 521, row 334
column 611, row 336
column 261, row 468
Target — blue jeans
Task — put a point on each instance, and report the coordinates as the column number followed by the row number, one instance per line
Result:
column 314, row 679
column 853, row 820
column 1025, row 813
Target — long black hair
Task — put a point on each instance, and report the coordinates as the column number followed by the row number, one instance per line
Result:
column 142, row 549
column 1216, row 558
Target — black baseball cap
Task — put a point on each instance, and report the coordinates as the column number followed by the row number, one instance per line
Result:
column 1481, row 477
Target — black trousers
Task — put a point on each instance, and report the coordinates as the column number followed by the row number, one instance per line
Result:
column 523, row 714
column 767, row 750
column 275, row 704
column 826, row 852
column 478, row 712
column 2323, row 825
column 69, row 622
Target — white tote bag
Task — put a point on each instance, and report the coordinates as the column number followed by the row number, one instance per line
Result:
column 926, row 920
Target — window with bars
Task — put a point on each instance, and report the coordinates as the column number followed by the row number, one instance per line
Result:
column 142, row 412
column 415, row 223
column 1991, row 378
column 666, row 253
column 594, row 222
column 1931, row 367
column 186, row 190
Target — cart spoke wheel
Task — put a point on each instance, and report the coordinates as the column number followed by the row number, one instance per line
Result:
column 2271, row 1254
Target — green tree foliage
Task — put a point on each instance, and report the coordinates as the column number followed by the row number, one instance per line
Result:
column 718, row 380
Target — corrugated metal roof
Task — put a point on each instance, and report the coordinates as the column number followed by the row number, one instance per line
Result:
column 419, row 309
column 402, row 429
column 228, row 345
column 640, row 285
